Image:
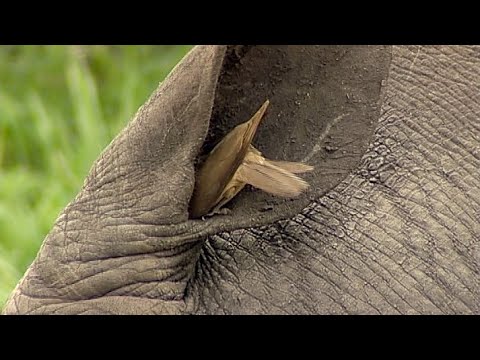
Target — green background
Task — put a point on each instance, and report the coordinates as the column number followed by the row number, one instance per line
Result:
column 59, row 107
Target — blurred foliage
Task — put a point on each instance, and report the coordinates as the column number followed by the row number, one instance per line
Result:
column 59, row 107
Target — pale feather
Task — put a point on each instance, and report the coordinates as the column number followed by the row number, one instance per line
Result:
column 271, row 179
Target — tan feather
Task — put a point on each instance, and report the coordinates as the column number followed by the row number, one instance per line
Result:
column 264, row 175
column 293, row 167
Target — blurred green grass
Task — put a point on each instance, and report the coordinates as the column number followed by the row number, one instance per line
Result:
column 59, row 107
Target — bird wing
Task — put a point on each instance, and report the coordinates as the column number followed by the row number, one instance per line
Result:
column 271, row 178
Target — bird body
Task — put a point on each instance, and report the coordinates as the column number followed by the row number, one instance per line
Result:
column 234, row 162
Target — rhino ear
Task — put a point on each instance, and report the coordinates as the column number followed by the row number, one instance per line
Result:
column 167, row 132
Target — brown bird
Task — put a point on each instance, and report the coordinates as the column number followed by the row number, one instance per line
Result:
column 234, row 162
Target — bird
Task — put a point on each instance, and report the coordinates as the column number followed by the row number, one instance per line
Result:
column 235, row 162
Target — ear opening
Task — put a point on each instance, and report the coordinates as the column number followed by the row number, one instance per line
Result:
column 324, row 106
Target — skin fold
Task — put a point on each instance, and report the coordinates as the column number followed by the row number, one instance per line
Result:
column 390, row 223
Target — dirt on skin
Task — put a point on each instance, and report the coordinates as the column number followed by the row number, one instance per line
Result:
column 324, row 105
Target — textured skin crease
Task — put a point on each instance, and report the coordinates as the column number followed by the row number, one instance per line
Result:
column 399, row 235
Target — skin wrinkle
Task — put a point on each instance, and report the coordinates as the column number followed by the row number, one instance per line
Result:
column 144, row 293
column 378, row 263
column 428, row 262
column 437, row 61
column 154, row 275
column 390, row 237
column 367, row 281
column 336, row 271
column 104, row 306
column 382, row 252
column 224, row 263
column 333, row 285
column 210, row 261
column 208, row 257
column 440, row 192
column 208, row 276
column 213, row 266
column 442, row 139
column 165, row 254
column 437, row 217
column 269, row 270
column 264, row 281
column 199, row 286
column 122, row 265
column 304, row 268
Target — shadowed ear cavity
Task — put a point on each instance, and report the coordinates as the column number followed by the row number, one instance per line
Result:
column 324, row 106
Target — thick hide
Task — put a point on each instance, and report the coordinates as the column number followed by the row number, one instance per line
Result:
column 390, row 224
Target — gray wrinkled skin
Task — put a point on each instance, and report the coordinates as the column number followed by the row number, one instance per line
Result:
column 390, row 226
